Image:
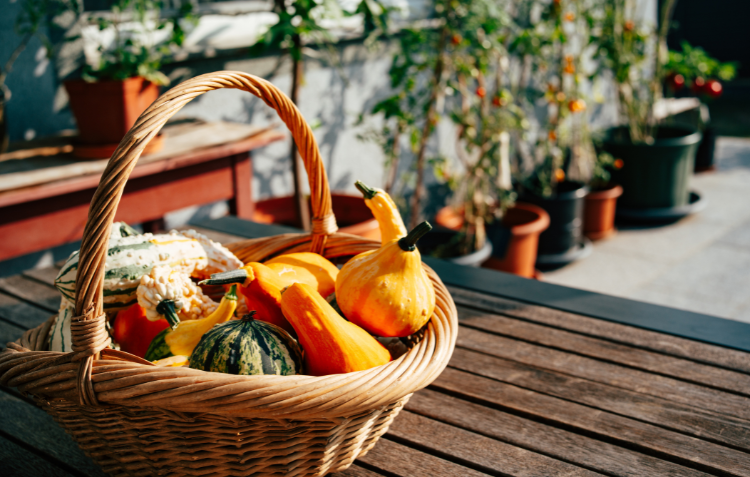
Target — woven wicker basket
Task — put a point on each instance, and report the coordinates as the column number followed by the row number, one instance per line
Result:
column 137, row 419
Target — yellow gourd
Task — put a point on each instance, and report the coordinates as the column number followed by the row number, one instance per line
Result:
column 385, row 211
column 185, row 337
column 332, row 345
column 386, row 291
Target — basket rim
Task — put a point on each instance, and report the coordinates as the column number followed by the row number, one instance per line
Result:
column 123, row 379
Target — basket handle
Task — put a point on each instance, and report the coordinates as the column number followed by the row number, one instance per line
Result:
column 88, row 326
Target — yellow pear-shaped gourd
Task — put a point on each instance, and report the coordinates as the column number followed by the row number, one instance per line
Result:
column 385, row 212
column 332, row 345
column 386, row 291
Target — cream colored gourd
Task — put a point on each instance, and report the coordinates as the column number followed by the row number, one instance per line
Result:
column 386, row 291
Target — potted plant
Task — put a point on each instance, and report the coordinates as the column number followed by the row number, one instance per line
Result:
column 601, row 201
column 300, row 26
column 124, row 78
column 692, row 71
column 28, row 25
column 657, row 160
column 557, row 164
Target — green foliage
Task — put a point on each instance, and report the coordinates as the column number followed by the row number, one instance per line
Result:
column 133, row 53
column 693, row 62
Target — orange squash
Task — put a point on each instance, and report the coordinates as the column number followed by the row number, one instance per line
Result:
column 332, row 345
column 261, row 284
column 306, row 267
column 386, row 291
column 385, row 212
column 261, row 288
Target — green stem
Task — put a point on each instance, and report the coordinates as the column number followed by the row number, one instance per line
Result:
column 409, row 243
column 366, row 191
column 166, row 308
column 225, row 278
column 232, row 293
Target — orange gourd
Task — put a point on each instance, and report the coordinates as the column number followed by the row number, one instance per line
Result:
column 261, row 284
column 385, row 212
column 306, row 267
column 332, row 345
column 386, row 291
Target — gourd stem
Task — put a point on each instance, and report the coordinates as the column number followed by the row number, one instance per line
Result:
column 250, row 316
column 225, row 278
column 166, row 308
column 232, row 293
column 366, row 191
column 409, row 243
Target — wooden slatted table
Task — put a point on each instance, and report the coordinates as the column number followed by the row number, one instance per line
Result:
column 544, row 381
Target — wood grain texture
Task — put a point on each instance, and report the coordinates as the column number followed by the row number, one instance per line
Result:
column 21, row 313
column 718, row 428
column 44, row 296
column 476, row 451
column 45, row 275
column 356, row 471
column 604, row 350
column 15, row 461
column 629, row 335
column 607, row 373
column 35, row 428
column 561, row 444
column 596, row 424
column 396, row 459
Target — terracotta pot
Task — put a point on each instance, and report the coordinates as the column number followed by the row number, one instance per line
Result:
column 352, row 215
column 106, row 110
column 599, row 212
column 514, row 240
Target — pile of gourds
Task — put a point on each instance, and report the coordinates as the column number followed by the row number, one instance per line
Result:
column 294, row 314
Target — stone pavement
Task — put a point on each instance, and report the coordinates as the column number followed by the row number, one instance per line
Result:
column 701, row 263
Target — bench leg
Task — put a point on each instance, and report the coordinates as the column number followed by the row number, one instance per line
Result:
column 241, row 204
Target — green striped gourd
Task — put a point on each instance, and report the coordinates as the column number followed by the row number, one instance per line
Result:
column 131, row 257
column 247, row 346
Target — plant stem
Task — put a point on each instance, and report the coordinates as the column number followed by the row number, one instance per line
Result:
column 665, row 21
column 395, row 153
column 300, row 201
column 13, row 57
column 437, row 76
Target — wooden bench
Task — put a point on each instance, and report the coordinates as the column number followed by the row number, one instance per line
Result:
column 43, row 187
column 545, row 381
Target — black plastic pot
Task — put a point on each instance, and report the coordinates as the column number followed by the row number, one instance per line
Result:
column 654, row 175
column 439, row 236
column 565, row 211
column 704, row 157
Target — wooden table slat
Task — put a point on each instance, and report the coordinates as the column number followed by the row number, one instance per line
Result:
column 356, row 471
column 615, row 430
column 399, row 460
column 21, row 313
column 718, row 428
column 35, row 428
column 15, row 461
column 476, row 451
column 562, row 444
column 603, row 350
column 614, row 375
column 615, row 332
column 43, row 296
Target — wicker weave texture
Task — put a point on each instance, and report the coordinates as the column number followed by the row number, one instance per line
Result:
column 135, row 418
column 143, row 442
